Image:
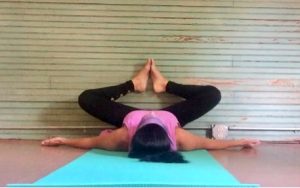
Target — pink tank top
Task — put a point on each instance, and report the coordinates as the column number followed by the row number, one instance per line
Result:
column 138, row 118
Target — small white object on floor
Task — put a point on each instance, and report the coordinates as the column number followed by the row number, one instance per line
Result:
column 219, row 131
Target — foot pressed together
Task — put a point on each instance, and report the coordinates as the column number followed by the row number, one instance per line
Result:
column 141, row 78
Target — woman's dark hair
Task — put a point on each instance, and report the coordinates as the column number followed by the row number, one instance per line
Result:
column 151, row 143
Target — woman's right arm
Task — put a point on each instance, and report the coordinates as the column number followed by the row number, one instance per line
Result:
column 114, row 140
column 187, row 141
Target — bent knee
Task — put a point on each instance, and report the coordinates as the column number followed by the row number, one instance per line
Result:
column 84, row 98
column 215, row 93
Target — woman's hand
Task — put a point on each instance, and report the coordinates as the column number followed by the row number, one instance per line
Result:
column 250, row 143
column 56, row 141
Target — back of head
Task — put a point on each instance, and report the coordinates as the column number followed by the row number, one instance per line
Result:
column 151, row 143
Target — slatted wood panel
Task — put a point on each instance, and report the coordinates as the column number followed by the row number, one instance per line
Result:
column 51, row 50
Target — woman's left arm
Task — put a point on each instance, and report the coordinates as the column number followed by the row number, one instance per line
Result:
column 187, row 141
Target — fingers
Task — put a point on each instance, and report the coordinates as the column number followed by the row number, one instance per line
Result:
column 250, row 143
column 52, row 142
column 45, row 142
column 255, row 141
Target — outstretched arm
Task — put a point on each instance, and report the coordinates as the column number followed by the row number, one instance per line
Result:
column 114, row 140
column 187, row 141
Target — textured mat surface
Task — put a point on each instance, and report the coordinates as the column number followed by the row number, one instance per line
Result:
column 105, row 168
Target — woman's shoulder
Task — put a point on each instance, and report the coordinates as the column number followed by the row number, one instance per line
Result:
column 181, row 137
column 121, row 135
column 122, row 131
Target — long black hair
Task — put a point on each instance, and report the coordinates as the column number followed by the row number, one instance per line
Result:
column 151, row 143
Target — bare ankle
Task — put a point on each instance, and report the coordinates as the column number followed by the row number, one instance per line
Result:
column 139, row 86
column 160, row 87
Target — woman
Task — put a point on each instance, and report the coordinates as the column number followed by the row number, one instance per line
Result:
column 150, row 135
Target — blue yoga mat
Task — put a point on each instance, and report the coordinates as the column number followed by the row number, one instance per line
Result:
column 105, row 168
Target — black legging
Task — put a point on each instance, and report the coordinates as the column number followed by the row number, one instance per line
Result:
column 101, row 103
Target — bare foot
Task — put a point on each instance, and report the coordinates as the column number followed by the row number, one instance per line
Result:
column 141, row 78
column 159, row 81
column 56, row 141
